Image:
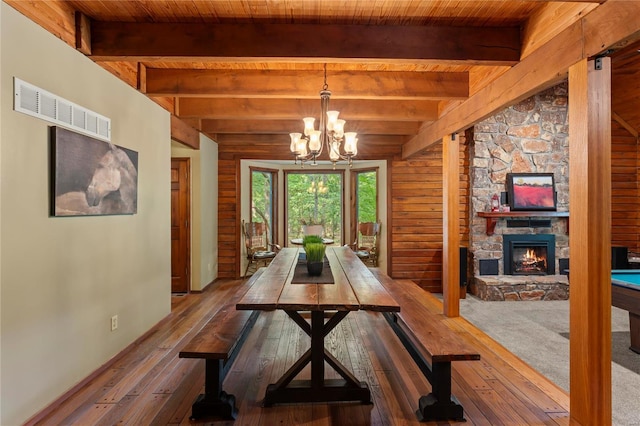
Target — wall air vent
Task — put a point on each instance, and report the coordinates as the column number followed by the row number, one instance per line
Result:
column 39, row 103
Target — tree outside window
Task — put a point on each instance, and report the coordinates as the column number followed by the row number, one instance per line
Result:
column 263, row 198
column 315, row 199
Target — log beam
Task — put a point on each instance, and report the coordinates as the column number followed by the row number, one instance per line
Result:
column 287, row 126
column 307, row 84
column 183, row 133
column 256, row 41
column 83, row 33
column 294, row 109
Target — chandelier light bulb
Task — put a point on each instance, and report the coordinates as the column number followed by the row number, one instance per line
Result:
column 301, row 150
column 314, row 141
column 308, row 125
column 332, row 118
column 350, row 143
column 295, row 140
column 338, row 128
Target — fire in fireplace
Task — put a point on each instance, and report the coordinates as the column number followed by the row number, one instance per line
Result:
column 529, row 254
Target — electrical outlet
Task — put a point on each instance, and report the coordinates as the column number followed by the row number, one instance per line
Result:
column 114, row 323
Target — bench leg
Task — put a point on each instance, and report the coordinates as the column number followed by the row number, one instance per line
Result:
column 215, row 402
column 440, row 404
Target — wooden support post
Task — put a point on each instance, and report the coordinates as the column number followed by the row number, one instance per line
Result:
column 451, row 225
column 590, row 241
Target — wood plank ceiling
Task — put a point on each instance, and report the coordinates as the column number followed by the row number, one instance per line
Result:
column 247, row 71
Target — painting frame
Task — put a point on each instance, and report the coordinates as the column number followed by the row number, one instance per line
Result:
column 531, row 191
column 91, row 177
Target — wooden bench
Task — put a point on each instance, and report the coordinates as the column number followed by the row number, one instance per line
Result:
column 431, row 344
column 218, row 343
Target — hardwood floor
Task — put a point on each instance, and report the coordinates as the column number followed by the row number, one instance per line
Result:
column 150, row 385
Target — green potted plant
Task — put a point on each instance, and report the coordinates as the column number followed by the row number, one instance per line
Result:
column 309, row 239
column 315, row 258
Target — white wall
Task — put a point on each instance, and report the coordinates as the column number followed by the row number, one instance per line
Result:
column 63, row 278
column 1, row 8
column 204, row 210
column 245, row 207
column 209, row 211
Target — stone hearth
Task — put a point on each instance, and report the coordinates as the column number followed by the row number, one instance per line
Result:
column 521, row 287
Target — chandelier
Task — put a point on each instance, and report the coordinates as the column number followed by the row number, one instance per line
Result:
column 308, row 146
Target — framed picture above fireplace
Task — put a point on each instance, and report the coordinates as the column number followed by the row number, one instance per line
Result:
column 531, row 191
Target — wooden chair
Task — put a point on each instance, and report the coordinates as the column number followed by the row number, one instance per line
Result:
column 367, row 242
column 259, row 249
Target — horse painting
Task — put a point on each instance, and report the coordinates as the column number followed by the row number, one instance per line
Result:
column 92, row 177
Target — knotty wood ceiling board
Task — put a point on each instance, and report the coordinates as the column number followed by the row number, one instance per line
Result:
column 367, row 12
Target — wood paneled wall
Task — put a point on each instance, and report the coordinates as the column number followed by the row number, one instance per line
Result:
column 228, row 211
column 625, row 202
column 416, row 216
column 230, row 151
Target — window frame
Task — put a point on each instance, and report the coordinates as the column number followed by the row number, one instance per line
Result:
column 354, row 216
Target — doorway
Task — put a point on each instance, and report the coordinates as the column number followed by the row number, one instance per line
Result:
column 180, row 225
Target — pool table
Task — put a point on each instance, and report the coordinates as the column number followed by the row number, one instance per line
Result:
column 625, row 294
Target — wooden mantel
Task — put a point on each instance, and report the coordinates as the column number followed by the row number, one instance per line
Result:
column 493, row 217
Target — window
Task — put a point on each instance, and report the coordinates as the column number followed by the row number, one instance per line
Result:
column 315, row 199
column 367, row 196
column 364, row 192
column 263, row 199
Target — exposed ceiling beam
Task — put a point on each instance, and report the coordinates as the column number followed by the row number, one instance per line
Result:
column 303, row 43
column 288, row 126
column 277, row 146
column 258, row 139
column 183, row 133
column 549, row 20
column 307, row 84
column 611, row 23
column 294, row 109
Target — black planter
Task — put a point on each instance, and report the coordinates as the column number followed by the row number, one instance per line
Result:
column 314, row 268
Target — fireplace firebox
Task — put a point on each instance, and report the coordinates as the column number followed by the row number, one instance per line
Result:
column 529, row 254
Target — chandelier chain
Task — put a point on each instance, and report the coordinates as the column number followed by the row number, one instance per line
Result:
column 326, row 86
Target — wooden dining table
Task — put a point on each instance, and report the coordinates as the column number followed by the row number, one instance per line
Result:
column 354, row 288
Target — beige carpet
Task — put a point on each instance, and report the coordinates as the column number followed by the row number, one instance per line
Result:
column 538, row 332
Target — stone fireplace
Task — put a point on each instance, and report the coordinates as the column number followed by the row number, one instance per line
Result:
column 522, row 256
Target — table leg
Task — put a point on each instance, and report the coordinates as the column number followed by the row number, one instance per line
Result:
column 317, row 349
column 318, row 389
